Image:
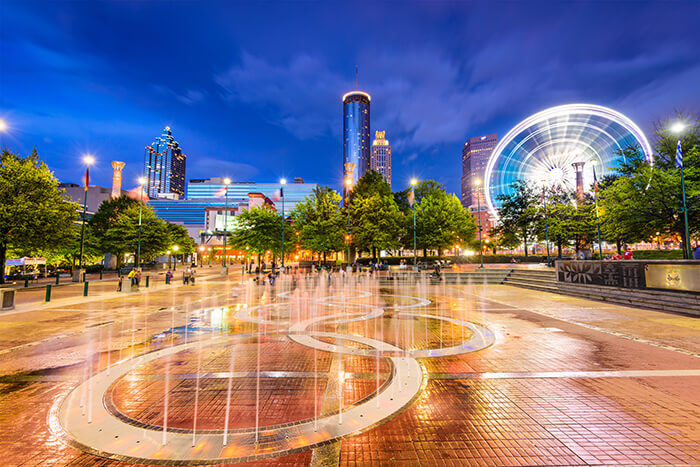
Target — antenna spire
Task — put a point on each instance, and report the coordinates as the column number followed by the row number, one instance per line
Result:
column 356, row 72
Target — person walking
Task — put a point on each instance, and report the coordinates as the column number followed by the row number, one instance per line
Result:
column 192, row 273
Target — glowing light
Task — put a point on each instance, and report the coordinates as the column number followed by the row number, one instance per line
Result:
column 414, row 182
column 283, row 181
column 352, row 93
column 88, row 159
column 477, row 182
column 142, row 181
column 3, row 126
column 175, row 248
column 227, row 181
column 678, row 127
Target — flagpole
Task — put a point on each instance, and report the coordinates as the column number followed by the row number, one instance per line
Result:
column 282, row 183
column 88, row 160
column 227, row 181
column 685, row 206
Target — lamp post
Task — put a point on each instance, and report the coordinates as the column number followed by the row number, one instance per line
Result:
column 414, row 182
column 283, row 182
column 546, row 223
column 678, row 128
column 227, row 182
column 170, row 258
column 175, row 248
column 142, row 182
column 477, row 183
column 89, row 160
column 348, row 184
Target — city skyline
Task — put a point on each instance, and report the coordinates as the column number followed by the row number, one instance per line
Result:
column 257, row 109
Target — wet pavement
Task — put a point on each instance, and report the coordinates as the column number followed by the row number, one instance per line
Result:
column 350, row 372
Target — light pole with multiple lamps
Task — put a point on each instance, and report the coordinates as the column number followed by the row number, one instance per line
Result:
column 283, row 182
column 227, row 182
column 142, row 182
column 678, row 128
column 477, row 183
column 89, row 160
column 414, row 182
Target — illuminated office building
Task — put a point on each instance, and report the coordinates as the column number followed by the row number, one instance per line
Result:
column 356, row 145
column 475, row 157
column 164, row 167
column 380, row 158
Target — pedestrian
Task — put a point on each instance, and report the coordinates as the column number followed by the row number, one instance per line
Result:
column 628, row 253
column 137, row 278
column 192, row 276
column 132, row 277
column 168, row 276
column 186, row 277
column 119, row 284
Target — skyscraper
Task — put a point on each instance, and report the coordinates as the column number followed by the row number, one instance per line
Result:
column 164, row 167
column 475, row 157
column 355, row 135
column 380, row 159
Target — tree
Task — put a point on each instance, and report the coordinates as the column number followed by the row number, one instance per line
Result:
column 177, row 235
column 122, row 235
column 441, row 221
column 109, row 211
column 376, row 222
column 259, row 229
column 645, row 198
column 33, row 214
column 321, row 222
column 519, row 214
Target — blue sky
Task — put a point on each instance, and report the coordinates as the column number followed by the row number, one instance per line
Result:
column 252, row 89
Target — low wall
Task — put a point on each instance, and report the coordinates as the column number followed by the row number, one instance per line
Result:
column 633, row 274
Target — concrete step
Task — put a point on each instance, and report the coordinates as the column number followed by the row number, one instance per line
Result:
column 545, row 287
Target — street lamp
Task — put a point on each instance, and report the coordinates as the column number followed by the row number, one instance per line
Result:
column 175, row 248
column 414, row 182
column 678, row 128
column 3, row 126
column 546, row 224
column 477, row 183
column 227, row 182
column 89, row 160
column 348, row 184
column 597, row 214
column 283, row 182
column 142, row 182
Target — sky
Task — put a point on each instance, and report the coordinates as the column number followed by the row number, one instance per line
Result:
column 252, row 90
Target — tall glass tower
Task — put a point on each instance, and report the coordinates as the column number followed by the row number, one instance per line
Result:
column 381, row 156
column 356, row 144
column 164, row 167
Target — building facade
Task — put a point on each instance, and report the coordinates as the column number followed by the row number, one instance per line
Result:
column 356, row 143
column 475, row 157
column 211, row 189
column 380, row 158
column 164, row 167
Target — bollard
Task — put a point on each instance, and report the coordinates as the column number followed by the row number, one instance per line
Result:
column 84, row 274
column 85, row 289
column 48, row 292
column 58, row 277
column 147, row 277
column 26, row 282
column 100, row 274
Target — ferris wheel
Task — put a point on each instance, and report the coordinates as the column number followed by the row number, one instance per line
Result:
column 544, row 147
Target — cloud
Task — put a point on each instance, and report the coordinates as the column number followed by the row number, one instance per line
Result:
column 201, row 166
column 189, row 96
column 300, row 96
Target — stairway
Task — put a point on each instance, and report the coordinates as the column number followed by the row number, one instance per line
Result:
column 535, row 279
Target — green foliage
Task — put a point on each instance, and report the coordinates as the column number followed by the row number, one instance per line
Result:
column 177, row 235
column 369, row 184
column 519, row 214
column 33, row 214
column 122, row 236
column 658, row 254
column 375, row 222
column 260, row 229
column 109, row 211
column 441, row 221
column 647, row 199
column 320, row 221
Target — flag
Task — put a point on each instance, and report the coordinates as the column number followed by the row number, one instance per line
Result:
column 221, row 192
column 411, row 198
column 87, row 178
column 595, row 182
column 679, row 154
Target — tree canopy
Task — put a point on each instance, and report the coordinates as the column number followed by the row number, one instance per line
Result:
column 320, row 221
column 33, row 214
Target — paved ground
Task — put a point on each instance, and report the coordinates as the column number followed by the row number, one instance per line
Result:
column 537, row 379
